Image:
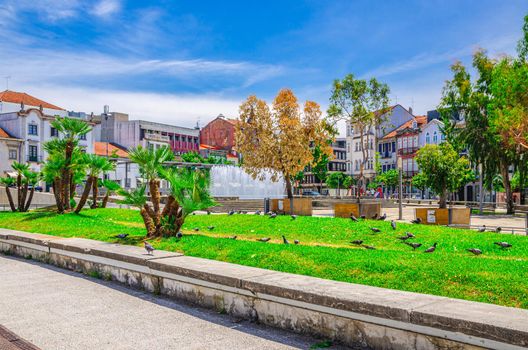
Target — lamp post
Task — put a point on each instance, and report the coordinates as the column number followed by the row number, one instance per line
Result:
column 400, row 188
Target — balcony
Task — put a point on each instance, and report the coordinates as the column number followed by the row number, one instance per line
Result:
column 407, row 151
column 386, row 154
column 35, row 159
column 409, row 173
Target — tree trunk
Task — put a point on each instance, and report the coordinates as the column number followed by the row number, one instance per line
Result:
column 289, row 192
column 522, row 177
column 85, row 194
column 510, row 209
column 57, row 190
column 443, row 200
column 28, row 203
column 72, row 187
column 155, row 195
column 10, row 199
column 149, row 224
column 19, row 192
column 25, row 189
column 95, row 192
column 105, row 199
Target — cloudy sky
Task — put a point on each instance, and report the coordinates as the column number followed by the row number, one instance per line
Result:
column 181, row 61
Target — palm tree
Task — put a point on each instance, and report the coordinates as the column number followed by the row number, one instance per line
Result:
column 32, row 179
column 70, row 129
column 96, row 165
column 111, row 187
column 51, row 172
column 22, row 188
column 150, row 163
column 7, row 182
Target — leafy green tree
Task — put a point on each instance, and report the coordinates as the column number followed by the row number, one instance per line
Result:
column 192, row 157
column 420, row 182
column 444, row 170
column 390, row 178
column 338, row 180
column 320, row 165
column 361, row 103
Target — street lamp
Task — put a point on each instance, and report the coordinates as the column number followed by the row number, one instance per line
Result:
column 400, row 188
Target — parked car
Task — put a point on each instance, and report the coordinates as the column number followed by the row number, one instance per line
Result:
column 37, row 188
column 311, row 193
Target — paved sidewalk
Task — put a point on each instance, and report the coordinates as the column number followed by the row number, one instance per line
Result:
column 58, row 309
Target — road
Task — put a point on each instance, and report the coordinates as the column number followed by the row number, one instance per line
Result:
column 58, row 309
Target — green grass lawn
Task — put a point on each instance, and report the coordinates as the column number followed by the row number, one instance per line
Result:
column 497, row 276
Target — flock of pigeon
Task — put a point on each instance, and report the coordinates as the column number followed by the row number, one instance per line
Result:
column 359, row 242
column 409, row 235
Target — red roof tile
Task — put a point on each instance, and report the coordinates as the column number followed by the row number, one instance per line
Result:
column 28, row 100
column 5, row 134
column 420, row 120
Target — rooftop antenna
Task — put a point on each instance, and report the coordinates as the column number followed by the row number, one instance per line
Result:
column 197, row 127
column 7, row 81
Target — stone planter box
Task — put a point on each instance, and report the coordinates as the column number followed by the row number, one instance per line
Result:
column 343, row 210
column 301, row 206
column 447, row 216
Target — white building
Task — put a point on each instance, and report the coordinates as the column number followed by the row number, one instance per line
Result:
column 28, row 119
column 10, row 149
column 393, row 118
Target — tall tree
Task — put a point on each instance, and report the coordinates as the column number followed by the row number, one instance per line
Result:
column 444, row 170
column 96, row 165
column 363, row 104
column 279, row 140
column 420, row 182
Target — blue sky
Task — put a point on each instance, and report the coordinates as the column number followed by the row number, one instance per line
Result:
column 183, row 61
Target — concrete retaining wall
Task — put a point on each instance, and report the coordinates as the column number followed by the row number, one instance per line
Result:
column 356, row 315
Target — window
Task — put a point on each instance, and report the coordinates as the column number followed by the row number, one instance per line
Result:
column 54, row 132
column 13, row 154
column 443, row 137
column 32, row 153
column 32, row 129
column 82, row 137
column 435, row 137
column 427, row 138
column 394, row 147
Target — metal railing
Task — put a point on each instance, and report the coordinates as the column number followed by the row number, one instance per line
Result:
column 37, row 159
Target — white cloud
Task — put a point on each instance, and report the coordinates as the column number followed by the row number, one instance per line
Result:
column 106, row 8
column 177, row 109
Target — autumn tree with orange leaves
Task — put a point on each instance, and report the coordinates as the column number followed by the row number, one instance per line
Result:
column 280, row 139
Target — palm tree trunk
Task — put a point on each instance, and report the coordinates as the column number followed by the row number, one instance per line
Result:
column 85, row 194
column 57, row 191
column 155, row 195
column 105, row 199
column 65, row 184
column 95, row 193
column 28, row 203
column 149, row 223
column 24, row 196
column 72, row 187
column 19, row 192
column 10, row 199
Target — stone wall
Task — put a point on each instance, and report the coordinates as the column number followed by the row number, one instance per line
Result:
column 356, row 315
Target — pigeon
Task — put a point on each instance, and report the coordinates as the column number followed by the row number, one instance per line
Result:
column 179, row 235
column 374, row 216
column 410, row 235
column 363, row 217
column 273, row 215
column 285, row 240
column 231, row 212
column 431, row 249
column 210, row 228
column 414, row 245
column 257, row 212
column 475, row 251
column 393, row 224
column 503, row 244
column 121, row 235
column 149, row 248
column 383, row 217
column 265, row 239
column 353, row 217
column 357, row 242
column 196, row 229
column 293, row 216
column 296, row 241
column 417, row 221
column 369, row 247
column 233, row 237
column 208, row 212
column 498, row 229
column 240, row 211
column 482, row 229
column 375, row 229
column 404, row 238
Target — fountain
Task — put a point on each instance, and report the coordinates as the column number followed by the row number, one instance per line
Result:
column 232, row 181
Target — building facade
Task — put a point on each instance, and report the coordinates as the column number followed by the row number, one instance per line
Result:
column 217, row 138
